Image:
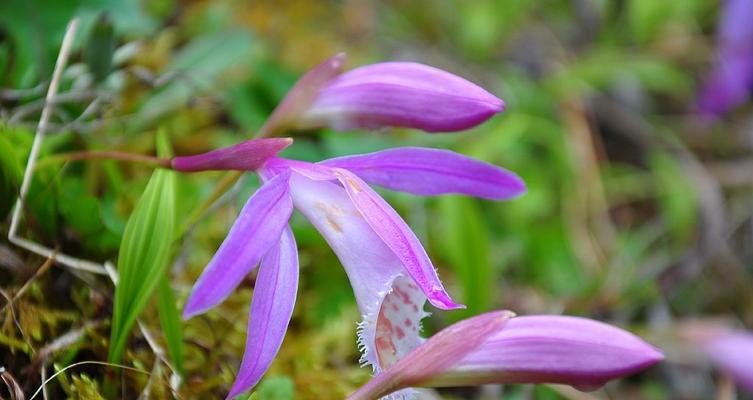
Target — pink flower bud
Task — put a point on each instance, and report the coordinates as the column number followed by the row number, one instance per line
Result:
column 402, row 94
column 246, row 156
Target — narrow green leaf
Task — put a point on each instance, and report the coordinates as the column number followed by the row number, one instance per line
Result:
column 169, row 316
column 100, row 47
column 467, row 247
column 144, row 253
column 169, row 319
column 10, row 175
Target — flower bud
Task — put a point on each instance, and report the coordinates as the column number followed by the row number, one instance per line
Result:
column 402, row 94
column 246, row 156
column 301, row 95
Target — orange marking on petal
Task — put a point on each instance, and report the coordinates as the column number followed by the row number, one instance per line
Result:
column 386, row 350
column 400, row 332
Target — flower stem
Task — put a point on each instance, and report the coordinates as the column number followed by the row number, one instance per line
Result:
column 106, row 155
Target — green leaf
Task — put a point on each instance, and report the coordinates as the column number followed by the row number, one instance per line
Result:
column 169, row 319
column 144, row 253
column 100, row 47
column 466, row 245
column 10, row 175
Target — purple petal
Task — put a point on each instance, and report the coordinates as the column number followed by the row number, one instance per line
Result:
column 312, row 171
column 271, row 309
column 731, row 78
column 391, row 305
column 732, row 352
column 257, row 228
column 301, row 95
column 436, row 355
column 402, row 94
column 396, row 234
column 554, row 349
column 246, row 156
column 429, row 172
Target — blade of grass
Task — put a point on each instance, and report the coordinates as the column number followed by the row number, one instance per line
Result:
column 144, row 253
column 169, row 318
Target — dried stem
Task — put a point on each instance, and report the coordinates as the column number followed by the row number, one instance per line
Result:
column 43, row 251
column 105, row 155
column 40, row 271
column 65, row 50
column 100, row 363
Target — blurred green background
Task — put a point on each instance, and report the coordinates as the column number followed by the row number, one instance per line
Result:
column 638, row 211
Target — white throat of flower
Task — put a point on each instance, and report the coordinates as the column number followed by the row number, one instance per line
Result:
column 391, row 329
column 391, row 304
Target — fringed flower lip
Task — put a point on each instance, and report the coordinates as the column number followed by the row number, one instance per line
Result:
column 389, row 270
column 388, row 94
column 498, row 347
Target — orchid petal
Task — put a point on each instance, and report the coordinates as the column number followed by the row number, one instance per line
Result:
column 301, row 95
column 257, row 228
column 554, row 349
column 396, row 234
column 402, row 94
column 271, row 309
column 428, row 172
column 312, row 171
column 730, row 80
column 390, row 303
column 245, row 156
column 538, row 349
column 732, row 352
